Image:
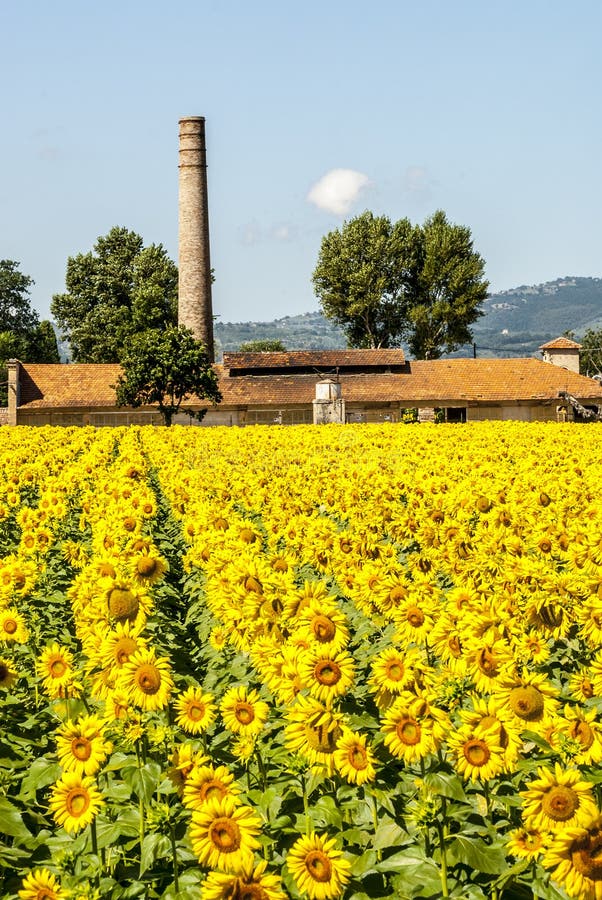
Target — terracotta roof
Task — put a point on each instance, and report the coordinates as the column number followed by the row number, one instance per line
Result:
column 460, row 380
column 561, row 343
column 314, row 359
column 67, row 386
column 456, row 380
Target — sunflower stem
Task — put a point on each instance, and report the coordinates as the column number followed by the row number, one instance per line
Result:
column 379, row 854
column 95, row 851
column 443, row 849
column 172, row 836
column 261, row 767
column 305, row 802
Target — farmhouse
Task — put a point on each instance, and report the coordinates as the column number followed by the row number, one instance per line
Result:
column 325, row 386
column 302, row 386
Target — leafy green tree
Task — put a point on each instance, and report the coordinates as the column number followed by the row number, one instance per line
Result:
column 263, row 346
column 167, row 368
column 116, row 291
column 590, row 357
column 42, row 344
column 361, row 278
column 23, row 336
column 16, row 315
column 385, row 283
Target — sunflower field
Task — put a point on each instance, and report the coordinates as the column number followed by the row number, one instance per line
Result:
column 325, row 662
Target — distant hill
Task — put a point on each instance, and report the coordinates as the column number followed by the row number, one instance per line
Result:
column 515, row 322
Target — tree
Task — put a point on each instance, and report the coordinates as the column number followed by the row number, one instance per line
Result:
column 386, row 283
column 590, row 357
column 167, row 368
column 262, row 346
column 16, row 315
column 116, row 291
column 23, row 336
column 42, row 345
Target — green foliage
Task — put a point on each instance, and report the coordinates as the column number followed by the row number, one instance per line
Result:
column 262, row 346
column 446, row 289
column 167, row 368
column 590, row 358
column 361, row 278
column 16, row 314
column 113, row 293
column 385, row 282
column 23, row 336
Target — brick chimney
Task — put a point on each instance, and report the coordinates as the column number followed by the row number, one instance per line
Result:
column 194, row 288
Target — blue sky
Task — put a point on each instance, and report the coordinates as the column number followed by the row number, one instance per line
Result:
column 488, row 110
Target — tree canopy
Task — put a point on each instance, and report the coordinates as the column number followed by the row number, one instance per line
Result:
column 262, row 346
column 114, row 292
column 22, row 335
column 167, row 368
column 590, row 357
column 385, row 283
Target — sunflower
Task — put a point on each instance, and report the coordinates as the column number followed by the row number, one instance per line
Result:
column 353, row 760
column 252, row 884
column 477, row 752
column 407, row 736
column 119, row 644
column 243, row 748
column 81, row 746
column 313, row 731
column 218, row 637
column 392, row 672
column 55, row 667
column 528, row 843
column 322, row 624
column 222, row 834
column 8, row 674
column 583, row 727
column 126, row 602
column 196, row 710
column 488, row 662
column 317, row 867
column 575, row 857
column 148, row 569
column 558, row 799
column 243, row 712
column 414, row 619
column 146, row 679
column 206, row 782
column 41, row 884
column 184, row 758
column 326, row 676
column 488, row 712
column 75, row 801
column 531, row 699
column 13, row 629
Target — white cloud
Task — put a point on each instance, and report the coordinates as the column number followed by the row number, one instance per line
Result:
column 284, row 231
column 249, row 233
column 338, row 190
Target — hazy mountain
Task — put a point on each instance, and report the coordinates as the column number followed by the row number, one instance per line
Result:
column 515, row 322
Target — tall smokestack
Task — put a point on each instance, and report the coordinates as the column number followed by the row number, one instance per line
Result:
column 194, row 288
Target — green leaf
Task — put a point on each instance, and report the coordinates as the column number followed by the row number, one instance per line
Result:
column 409, row 857
column 42, row 772
column 364, row 864
column 477, row 854
column 388, row 834
column 446, row 785
column 11, row 821
column 144, row 780
column 154, row 846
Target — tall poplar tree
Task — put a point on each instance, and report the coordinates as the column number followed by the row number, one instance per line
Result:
column 385, row 283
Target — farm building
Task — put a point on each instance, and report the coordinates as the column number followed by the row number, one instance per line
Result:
column 320, row 386
column 302, row 386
